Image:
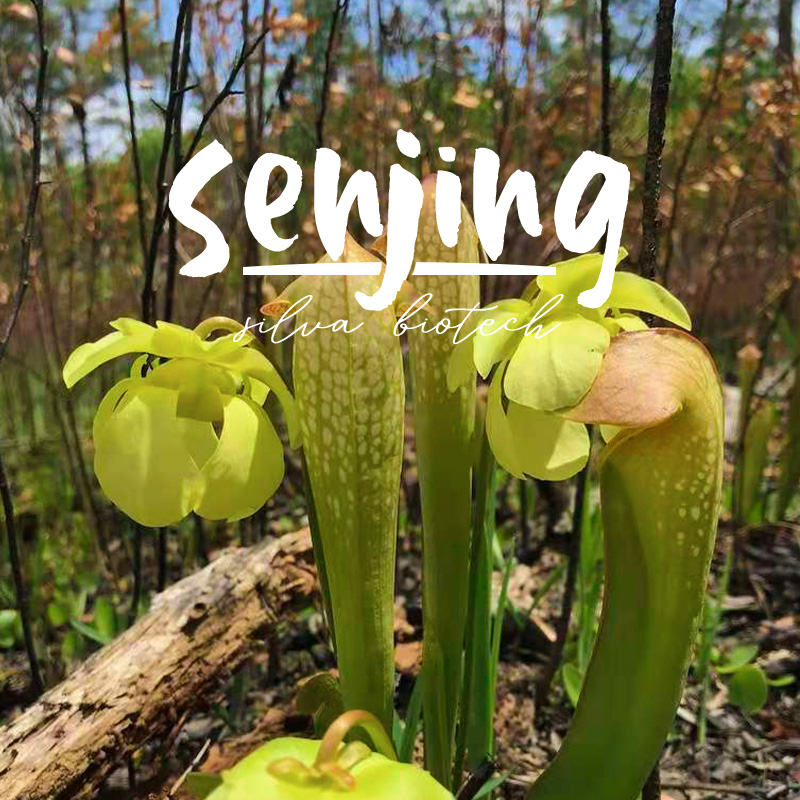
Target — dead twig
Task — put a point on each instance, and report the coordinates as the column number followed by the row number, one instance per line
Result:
column 226, row 91
column 195, row 761
column 722, row 788
column 339, row 13
column 16, row 306
column 705, row 110
column 148, row 291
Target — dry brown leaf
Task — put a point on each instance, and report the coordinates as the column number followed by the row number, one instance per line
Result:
column 408, row 657
column 65, row 55
column 463, row 97
column 21, row 11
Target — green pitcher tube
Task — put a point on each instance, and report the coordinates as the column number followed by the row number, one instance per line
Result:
column 349, row 391
column 661, row 479
column 443, row 428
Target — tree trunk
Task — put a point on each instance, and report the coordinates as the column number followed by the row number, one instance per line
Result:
column 198, row 631
column 659, row 97
column 784, row 57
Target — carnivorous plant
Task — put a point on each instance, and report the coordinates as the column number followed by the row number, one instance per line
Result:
column 158, row 455
column 187, row 431
column 302, row 769
column 350, row 395
column 661, row 483
column 443, row 431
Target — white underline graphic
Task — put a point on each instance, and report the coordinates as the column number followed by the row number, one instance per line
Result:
column 421, row 268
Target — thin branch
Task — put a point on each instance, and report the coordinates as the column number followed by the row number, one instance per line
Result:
column 605, row 95
column 262, row 72
column 148, row 291
column 708, row 104
column 249, row 285
column 16, row 307
column 605, row 47
column 659, row 96
column 766, row 393
column 137, row 165
column 162, row 561
column 339, row 12
column 573, row 562
column 778, row 308
column 177, row 160
column 89, row 183
column 138, row 577
column 35, row 187
column 19, row 583
column 226, row 91
column 284, row 89
column 716, row 788
column 648, row 259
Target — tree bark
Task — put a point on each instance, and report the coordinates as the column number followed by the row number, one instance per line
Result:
column 198, row 631
column 659, row 96
column 784, row 58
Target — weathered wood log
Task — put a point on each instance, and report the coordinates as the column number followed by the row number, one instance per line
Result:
column 198, row 631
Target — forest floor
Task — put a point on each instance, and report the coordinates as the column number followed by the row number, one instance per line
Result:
column 744, row 755
column 755, row 756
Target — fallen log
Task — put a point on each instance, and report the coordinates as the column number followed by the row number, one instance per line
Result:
column 197, row 632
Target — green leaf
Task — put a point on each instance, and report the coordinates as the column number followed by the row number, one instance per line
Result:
column 633, row 292
column 70, row 646
column 8, row 624
column 576, row 275
column 660, row 484
column 789, row 480
column 573, row 682
column 556, row 370
column 492, row 784
column 321, row 698
column 142, row 460
column 89, row 632
column 493, row 340
column 738, row 657
column 57, row 614
column 549, row 447
column 105, row 618
column 202, row 784
column 247, row 466
column 754, row 461
column 784, row 680
column 749, row 689
column 405, row 748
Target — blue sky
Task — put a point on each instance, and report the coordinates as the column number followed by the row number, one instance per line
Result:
column 694, row 33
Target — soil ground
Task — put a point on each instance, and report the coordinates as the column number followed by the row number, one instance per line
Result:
column 755, row 756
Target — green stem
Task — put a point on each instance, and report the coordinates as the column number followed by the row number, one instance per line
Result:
column 478, row 624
